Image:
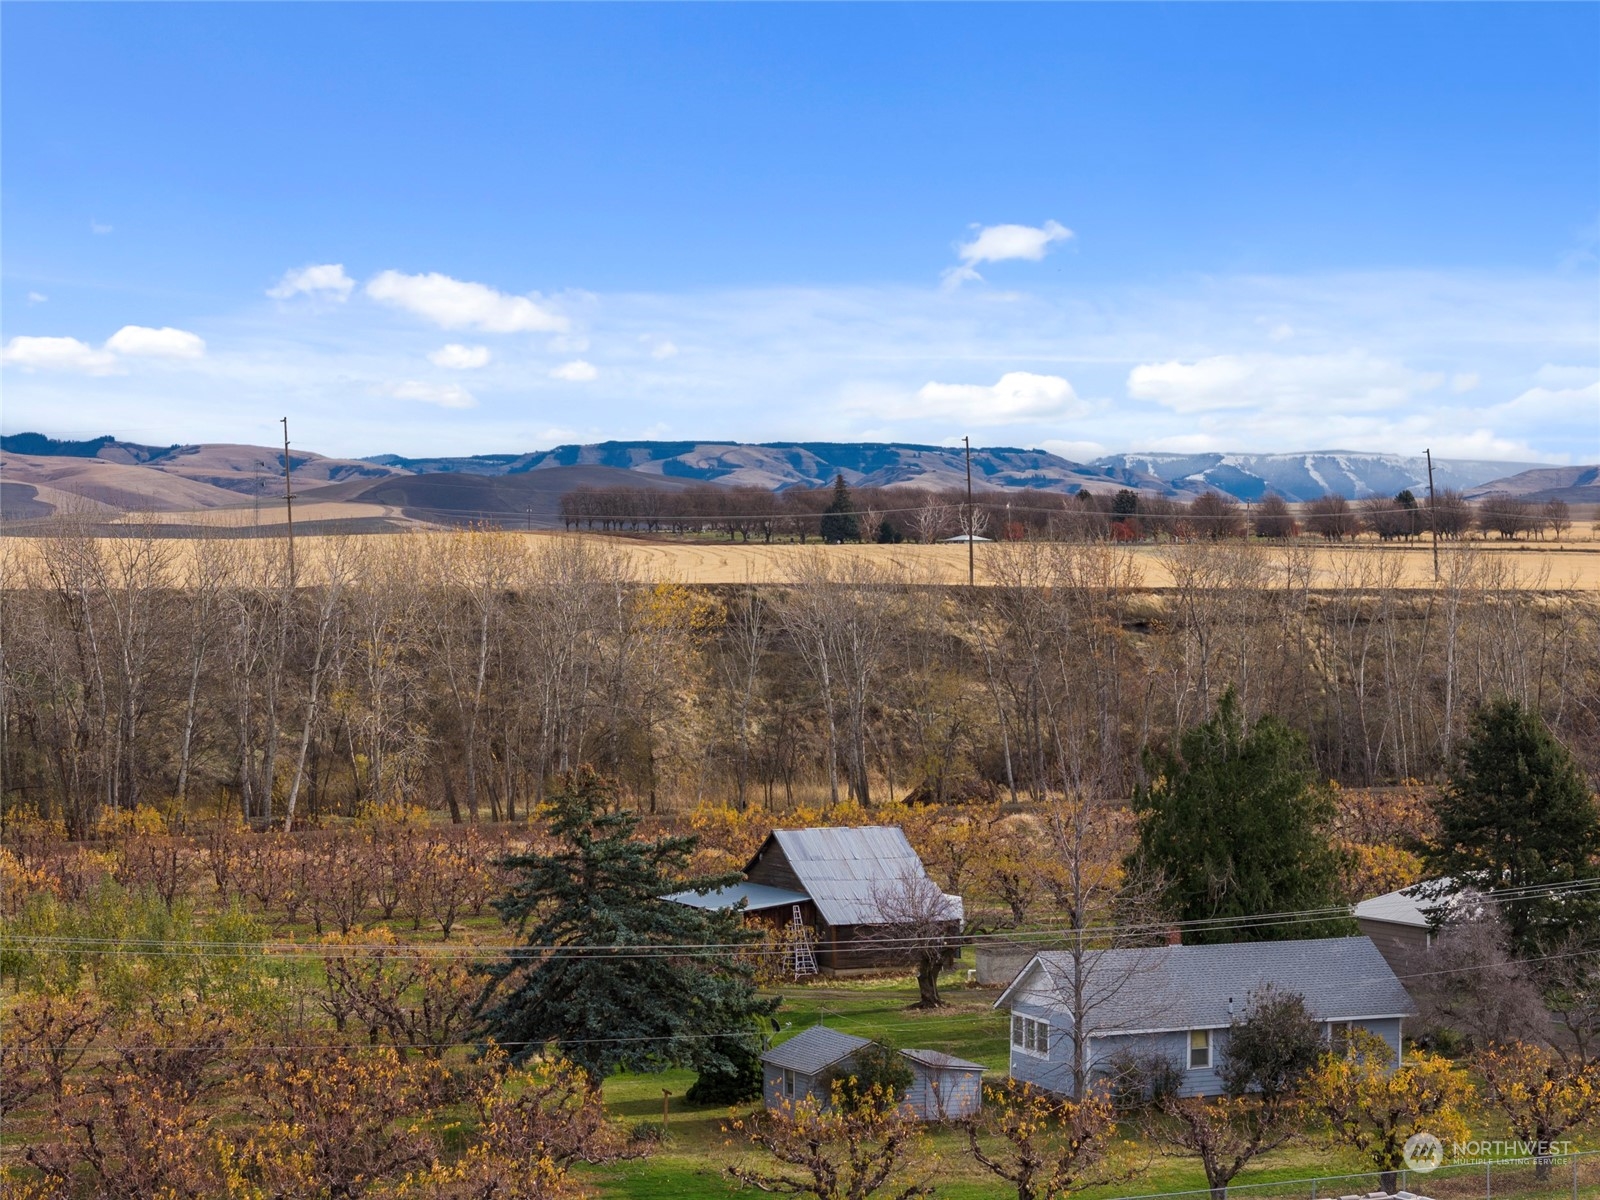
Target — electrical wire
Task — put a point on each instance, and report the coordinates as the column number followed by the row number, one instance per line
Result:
column 623, row 951
column 134, row 1047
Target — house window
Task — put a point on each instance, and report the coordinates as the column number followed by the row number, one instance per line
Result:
column 788, row 1083
column 1339, row 1036
column 1199, row 1049
column 1030, row 1036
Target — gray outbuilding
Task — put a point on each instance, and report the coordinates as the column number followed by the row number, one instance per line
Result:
column 793, row 1070
column 943, row 1087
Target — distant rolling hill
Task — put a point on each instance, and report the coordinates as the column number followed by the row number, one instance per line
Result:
column 1575, row 485
column 231, row 467
column 1311, row 474
column 76, row 482
column 532, row 498
column 779, row 465
column 42, row 475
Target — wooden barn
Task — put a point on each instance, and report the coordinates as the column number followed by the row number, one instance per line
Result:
column 832, row 884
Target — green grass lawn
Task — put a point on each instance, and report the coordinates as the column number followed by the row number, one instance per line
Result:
column 697, row 1151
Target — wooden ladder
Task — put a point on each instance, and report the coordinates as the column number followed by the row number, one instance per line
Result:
column 805, row 957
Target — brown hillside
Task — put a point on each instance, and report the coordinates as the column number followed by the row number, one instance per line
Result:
column 117, row 485
column 532, row 498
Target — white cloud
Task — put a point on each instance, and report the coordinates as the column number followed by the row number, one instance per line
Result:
column 1002, row 243
column 326, row 280
column 459, row 357
column 1184, row 443
column 166, row 342
column 1557, row 405
column 1018, row 396
column 1478, row 443
column 459, row 304
column 1281, row 332
column 954, row 277
column 1074, row 451
column 998, row 243
column 1463, row 382
column 445, row 395
column 37, row 298
column 1316, row 382
column 57, row 354
column 664, row 349
column 97, row 227
column 836, row 362
column 1558, row 376
column 576, row 371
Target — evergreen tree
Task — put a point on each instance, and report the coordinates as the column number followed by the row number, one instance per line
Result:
column 839, row 521
column 1412, row 511
column 612, row 974
column 1235, row 826
column 1517, row 813
column 1125, row 503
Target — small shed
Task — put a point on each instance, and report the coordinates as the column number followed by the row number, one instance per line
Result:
column 793, row 1070
column 943, row 1087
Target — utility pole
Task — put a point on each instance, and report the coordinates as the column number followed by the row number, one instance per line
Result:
column 971, row 551
column 288, row 500
column 1433, row 515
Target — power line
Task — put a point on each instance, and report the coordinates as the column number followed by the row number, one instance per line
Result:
column 135, row 1047
column 67, row 944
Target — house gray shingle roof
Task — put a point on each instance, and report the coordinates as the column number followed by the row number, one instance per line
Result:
column 1192, row 987
column 812, row 1051
column 846, row 870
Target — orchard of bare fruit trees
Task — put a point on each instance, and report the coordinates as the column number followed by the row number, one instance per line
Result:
column 255, row 827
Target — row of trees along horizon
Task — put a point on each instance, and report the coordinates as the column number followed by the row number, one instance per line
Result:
column 159, row 1047
column 890, row 515
column 462, row 672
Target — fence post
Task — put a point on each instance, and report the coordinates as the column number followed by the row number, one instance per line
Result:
column 1574, row 1158
column 1488, row 1181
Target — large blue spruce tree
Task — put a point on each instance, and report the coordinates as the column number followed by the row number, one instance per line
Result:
column 611, row 974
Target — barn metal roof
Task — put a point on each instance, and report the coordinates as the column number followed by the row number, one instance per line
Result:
column 756, row 896
column 812, row 1051
column 1204, row 987
column 845, row 871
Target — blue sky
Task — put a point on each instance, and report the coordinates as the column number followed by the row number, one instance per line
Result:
column 464, row 228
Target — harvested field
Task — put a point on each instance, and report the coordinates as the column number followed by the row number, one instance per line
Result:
column 1567, row 567
column 269, row 514
column 1563, row 566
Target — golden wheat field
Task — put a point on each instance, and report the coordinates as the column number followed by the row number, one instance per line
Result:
column 1577, row 566
column 1568, row 565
